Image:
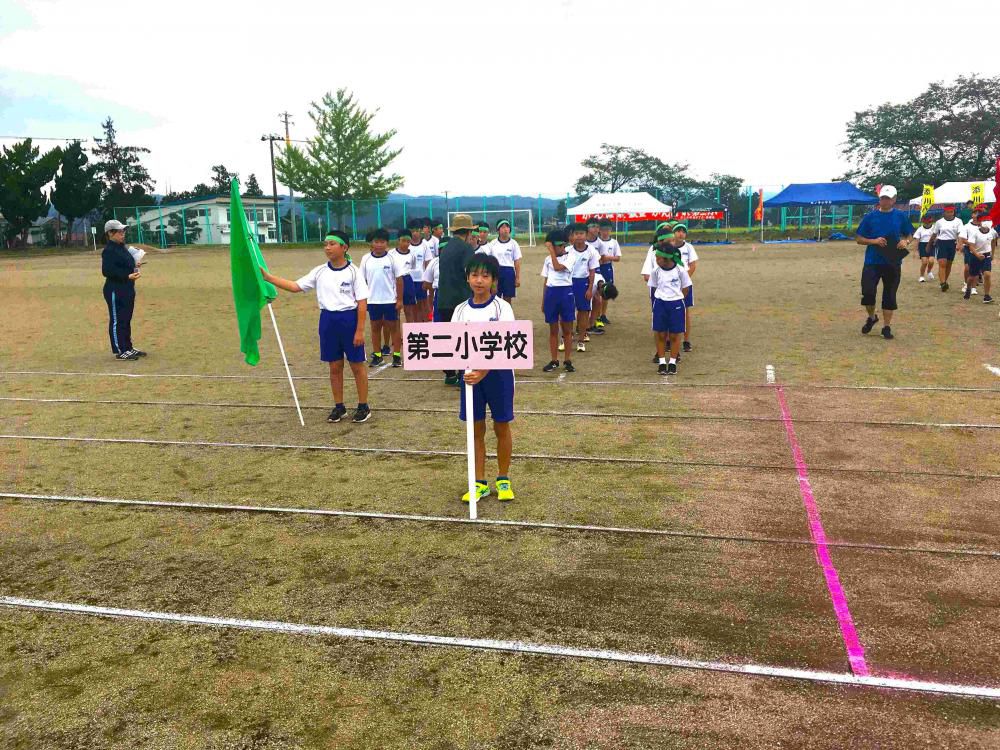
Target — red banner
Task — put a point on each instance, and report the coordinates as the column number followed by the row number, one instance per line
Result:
column 699, row 215
column 637, row 216
column 758, row 214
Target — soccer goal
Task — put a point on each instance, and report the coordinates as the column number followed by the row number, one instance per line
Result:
column 522, row 221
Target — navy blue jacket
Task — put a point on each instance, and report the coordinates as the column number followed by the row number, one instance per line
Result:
column 117, row 264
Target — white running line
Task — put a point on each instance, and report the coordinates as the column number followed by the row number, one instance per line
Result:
column 520, row 647
column 769, row 374
column 520, row 456
column 373, row 515
column 991, row 368
column 524, row 412
column 523, row 380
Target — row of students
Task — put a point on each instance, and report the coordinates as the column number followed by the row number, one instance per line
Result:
column 943, row 239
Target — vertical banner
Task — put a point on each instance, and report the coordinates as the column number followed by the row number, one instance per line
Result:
column 978, row 193
column 758, row 214
column 926, row 200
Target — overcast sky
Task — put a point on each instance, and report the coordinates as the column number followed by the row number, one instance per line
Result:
column 505, row 97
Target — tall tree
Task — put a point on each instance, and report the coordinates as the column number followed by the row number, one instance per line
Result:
column 201, row 190
column 346, row 159
column 77, row 190
column 222, row 177
column 126, row 181
column 949, row 132
column 624, row 168
column 253, row 188
column 24, row 173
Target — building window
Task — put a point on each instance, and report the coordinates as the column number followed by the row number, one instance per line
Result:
column 272, row 234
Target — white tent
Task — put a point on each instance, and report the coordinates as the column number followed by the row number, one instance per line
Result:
column 621, row 207
column 958, row 193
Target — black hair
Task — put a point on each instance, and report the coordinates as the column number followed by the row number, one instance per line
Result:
column 416, row 226
column 344, row 237
column 556, row 236
column 576, row 226
column 609, row 291
column 426, row 222
column 485, row 262
column 379, row 234
column 502, row 222
column 605, row 223
column 403, row 233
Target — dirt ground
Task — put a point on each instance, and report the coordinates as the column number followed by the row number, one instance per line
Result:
column 707, row 454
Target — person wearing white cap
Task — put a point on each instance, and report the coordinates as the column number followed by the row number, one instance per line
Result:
column 120, row 272
column 886, row 233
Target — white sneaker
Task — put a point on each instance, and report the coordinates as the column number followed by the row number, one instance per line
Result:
column 562, row 347
column 922, row 280
column 974, row 290
column 930, row 275
column 964, row 286
column 581, row 347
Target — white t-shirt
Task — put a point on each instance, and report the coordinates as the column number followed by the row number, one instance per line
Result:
column 495, row 309
column 404, row 263
column 432, row 272
column 650, row 263
column 554, row 277
column 969, row 232
column 432, row 250
column 380, row 275
column 418, row 252
column 612, row 248
column 337, row 289
column 584, row 262
column 505, row 252
column 689, row 254
column 669, row 283
column 598, row 280
column 982, row 242
column 947, row 230
column 922, row 233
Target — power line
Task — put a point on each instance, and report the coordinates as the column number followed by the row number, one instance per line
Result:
column 39, row 138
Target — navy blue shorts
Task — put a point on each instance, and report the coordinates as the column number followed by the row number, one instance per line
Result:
column 505, row 284
column 945, row 249
column 497, row 390
column 558, row 304
column 607, row 271
column 386, row 311
column 977, row 266
column 418, row 290
column 923, row 251
column 336, row 336
column 689, row 297
column 580, row 287
column 409, row 291
column 668, row 316
column 652, row 297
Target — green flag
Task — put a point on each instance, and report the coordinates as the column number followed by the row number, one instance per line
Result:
column 250, row 291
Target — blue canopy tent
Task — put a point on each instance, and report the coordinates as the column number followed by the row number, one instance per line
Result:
column 819, row 194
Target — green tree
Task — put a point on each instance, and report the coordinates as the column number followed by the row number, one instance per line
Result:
column 222, row 177
column 949, row 132
column 126, row 181
column 77, row 190
column 624, row 168
column 253, row 188
column 346, row 159
column 24, row 173
column 201, row 190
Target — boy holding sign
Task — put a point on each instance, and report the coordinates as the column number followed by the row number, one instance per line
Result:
column 493, row 387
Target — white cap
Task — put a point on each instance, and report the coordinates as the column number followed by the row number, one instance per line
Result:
column 113, row 226
column 887, row 191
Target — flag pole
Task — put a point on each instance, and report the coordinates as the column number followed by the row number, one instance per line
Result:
column 470, row 446
column 284, row 359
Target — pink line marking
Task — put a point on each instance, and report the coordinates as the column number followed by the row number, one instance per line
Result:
column 855, row 651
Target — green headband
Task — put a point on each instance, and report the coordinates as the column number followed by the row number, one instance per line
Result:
column 438, row 225
column 335, row 238
column 674, row 255
column 503, row 223
column 484, row 227
column 680, row 226
column 661, row 236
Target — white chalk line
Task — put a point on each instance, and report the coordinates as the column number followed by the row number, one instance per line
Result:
column 769, row 374
column 991, row 368
column 525, row 412
column 519, row 647
column 519, row 456
column 417, row 518
column 522, row 380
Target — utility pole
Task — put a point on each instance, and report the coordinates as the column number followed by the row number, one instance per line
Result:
column 286, row 118
column 274, row 181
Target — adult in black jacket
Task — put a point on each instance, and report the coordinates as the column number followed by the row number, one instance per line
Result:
column 453, row 288
column 120, row 272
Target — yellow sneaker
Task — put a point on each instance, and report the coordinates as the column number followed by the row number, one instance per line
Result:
column 504, row 492
column 482, row 490
column 599, row 324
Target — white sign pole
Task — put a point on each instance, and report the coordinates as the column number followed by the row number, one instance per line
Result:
column 470, row 444
column 284, row 359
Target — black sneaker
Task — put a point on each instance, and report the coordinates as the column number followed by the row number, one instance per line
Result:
column 672, row 368
column 869, row 324
column 139, row 353
column 129, row 355
column 376, row 360
column 887, row 333
column 987, row 299
column 944, row 286
column 656, row 358
column 662, row 369
column 397, row 360
column 604, row 319
column 595, row 330
column 968, row 292
column 336, row 414
column 361, row 414
column 386, row 351
column 687, row 346
column 568, row 366
column 553, row 365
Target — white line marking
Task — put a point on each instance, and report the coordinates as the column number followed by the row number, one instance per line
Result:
column 561, row 378
column 521, row 647
column 523, row 380
column 994, row 370
column 279, row 510
column 463, row 454
column 769, row 373
column 383, row 366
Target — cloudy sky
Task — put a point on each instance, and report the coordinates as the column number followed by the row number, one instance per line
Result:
column 496, row 98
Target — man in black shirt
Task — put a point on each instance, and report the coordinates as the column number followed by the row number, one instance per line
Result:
column 453, row 289
column 120, row 272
